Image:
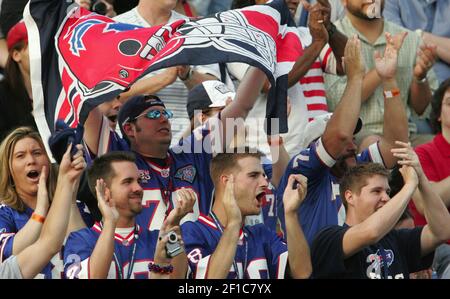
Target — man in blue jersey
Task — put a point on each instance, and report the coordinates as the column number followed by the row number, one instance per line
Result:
column 118, row 247
column 144, row 122
column 218, row 245
column 324, row 161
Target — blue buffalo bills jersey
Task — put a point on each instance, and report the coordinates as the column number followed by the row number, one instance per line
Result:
column 187, row 166
column 322, row 205
column 11, row 221
column 81, row 244
column 260, row 251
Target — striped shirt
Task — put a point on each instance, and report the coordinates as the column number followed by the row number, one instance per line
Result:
column 372, row 111
column 307, row 99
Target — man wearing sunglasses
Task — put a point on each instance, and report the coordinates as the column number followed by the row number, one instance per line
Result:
column 144, row 123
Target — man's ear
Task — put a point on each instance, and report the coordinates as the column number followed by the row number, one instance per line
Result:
column 349, row 197
column 224, row 178
column 128, row 129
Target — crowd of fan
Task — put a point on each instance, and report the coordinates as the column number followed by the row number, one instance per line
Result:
column 165, row 186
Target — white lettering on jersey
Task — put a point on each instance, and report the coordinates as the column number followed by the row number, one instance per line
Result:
column 153, row 197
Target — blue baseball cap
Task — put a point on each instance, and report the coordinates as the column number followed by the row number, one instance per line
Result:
column 135, row 106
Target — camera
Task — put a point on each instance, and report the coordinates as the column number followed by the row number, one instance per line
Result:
column 99, row 7
column 173, row 247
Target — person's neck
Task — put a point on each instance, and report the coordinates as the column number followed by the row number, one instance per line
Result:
column 153, row 14
column 158, row 151
column 351, row 218
column 28, row 199
column 446, row 134
column 371, row 30
column 125, row 222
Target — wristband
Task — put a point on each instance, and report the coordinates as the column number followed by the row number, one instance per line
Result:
column 38, row 218
column 391, row 93
column 155, row 268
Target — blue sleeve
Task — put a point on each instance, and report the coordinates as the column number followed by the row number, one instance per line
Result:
column 311, row 162
column 371, row 154
column 277, row 253
column 268, row 170
column 85, row 214
column 199, row 145
column 197, row 248
column 392, row 14
column 8, row 230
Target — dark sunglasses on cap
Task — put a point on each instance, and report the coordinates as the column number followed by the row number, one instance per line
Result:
column 156, row 114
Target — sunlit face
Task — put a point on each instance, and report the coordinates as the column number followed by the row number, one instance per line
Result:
column 148, row 131
column 445, row 111
column 126, row 192
column 27, row 161
column 373, row 196
column 249, row 185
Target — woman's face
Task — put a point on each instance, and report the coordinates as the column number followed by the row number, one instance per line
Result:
column 27, row 160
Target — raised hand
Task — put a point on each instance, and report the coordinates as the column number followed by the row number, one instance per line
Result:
column 396, row 40
column 42, row 202
column 293, row 197
column 407, row 156
column 386, row 65
column 316, row 22
column 353, row 63
column 84, row 3
column 72, row 170
column 185, row 203
column 232, row 210
column 426, row 57
column 105, row 204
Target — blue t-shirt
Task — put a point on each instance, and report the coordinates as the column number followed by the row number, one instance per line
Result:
column 322, row 205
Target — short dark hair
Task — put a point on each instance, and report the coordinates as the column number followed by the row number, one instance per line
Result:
column 356, row 178
column 229, row 160
column 101, row 168
column 436, row 106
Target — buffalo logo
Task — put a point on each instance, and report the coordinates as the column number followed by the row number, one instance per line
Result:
column 76, row 40
column 79, row 31
column 186, row 173
column 376, row 262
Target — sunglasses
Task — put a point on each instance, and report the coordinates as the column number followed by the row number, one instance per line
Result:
column 156, row 114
